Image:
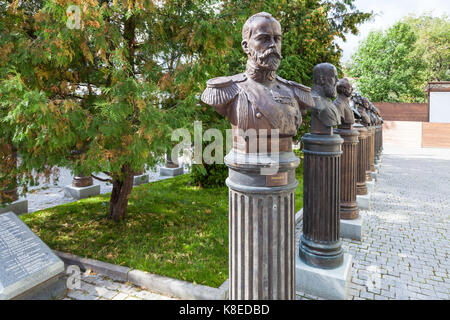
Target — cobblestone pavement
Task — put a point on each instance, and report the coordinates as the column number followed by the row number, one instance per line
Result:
column 404, row 252
column 97, row 287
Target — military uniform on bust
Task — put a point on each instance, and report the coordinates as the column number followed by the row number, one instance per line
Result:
column 249, row 104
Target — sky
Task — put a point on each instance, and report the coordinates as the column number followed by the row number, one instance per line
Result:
column 389, row 12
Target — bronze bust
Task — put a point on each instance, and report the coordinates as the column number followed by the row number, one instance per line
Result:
column 324, row 115
column 360, row 103
column 258, row 98
column 342, row 103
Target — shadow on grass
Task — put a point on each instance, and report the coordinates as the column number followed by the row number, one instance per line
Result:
column 172, row 229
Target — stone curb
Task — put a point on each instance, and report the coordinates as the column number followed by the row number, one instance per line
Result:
column 168, row 286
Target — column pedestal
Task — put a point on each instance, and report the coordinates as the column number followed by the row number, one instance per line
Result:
column 372, row 150
column 348, row 206
column 320, row 244
column 368, row 153
column 261, row 226
column 361, row 188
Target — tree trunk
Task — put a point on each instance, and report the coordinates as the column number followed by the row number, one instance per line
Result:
column 119, row 197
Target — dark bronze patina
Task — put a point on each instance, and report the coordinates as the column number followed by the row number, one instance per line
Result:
column 320, row 244
column 82, row 180
column 262, row 205
column 349, row 160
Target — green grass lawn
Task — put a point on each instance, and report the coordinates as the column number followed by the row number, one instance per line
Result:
column 173, row 229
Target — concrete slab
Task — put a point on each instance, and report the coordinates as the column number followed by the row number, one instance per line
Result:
column 28, row 268
column 81, row 192
column 363, row 201
column 330, row 284
column 352, row 229
column 163, row 171
column 140, row 179
column 370, row 186
column 19, row 207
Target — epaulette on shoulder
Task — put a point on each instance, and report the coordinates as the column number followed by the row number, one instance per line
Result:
column 220, row 91
column 303, row 94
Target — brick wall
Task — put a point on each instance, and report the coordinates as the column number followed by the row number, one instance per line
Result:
column 403, row 111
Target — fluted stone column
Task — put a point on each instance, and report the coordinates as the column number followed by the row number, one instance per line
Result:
column 372, row 149
column 368, row 153
column 361, row 187
column 349, row 171
column 320, row 244
column 261, row 226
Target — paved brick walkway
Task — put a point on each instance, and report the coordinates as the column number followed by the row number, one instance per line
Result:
column 404, row 253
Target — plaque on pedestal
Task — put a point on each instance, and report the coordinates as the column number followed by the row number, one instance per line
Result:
column 28, row 268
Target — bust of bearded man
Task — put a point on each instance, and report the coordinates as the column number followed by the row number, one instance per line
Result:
column 259, row 99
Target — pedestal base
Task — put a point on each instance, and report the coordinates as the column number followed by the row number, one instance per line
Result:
column 52, row 289
column 83, row 192
column 18, row 207
column 363, row 202
column 374, row 176
column 172, row 172
column 140, row 179
column 377, row 167
column 352, row 229
column 370, row 186
column 330, row 284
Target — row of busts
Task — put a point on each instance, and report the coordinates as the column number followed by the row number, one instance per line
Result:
column 353, row 107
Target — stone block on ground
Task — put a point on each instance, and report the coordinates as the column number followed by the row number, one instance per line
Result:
column 370, row 186
column 352, row 229
column 140, row 179
column 81, row 192
column 19, row 207
column 330, row 284
column 363, row 201
column 29, row 270
column 172, row 172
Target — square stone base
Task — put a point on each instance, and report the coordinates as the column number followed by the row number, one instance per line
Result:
column 332, row 284
column 363, row 201
column 377, row 167
column 172, row 172
column 370, row 186
column 19, row 207
column 52, row 289
column 352, row 229
column 82, row 192
column 140, row 179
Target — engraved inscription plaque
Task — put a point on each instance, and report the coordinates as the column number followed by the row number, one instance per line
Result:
column 279, row 179
column 25, row 261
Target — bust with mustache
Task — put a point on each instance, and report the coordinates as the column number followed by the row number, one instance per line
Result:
column 258, row 98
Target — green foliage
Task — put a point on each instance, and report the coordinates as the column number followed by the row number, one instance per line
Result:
column 107, row 96
column 209, row 175
column 395, row 65
column 433, row 44
column 310, row 28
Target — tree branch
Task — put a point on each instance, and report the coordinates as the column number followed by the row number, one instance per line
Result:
column 101, row 179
